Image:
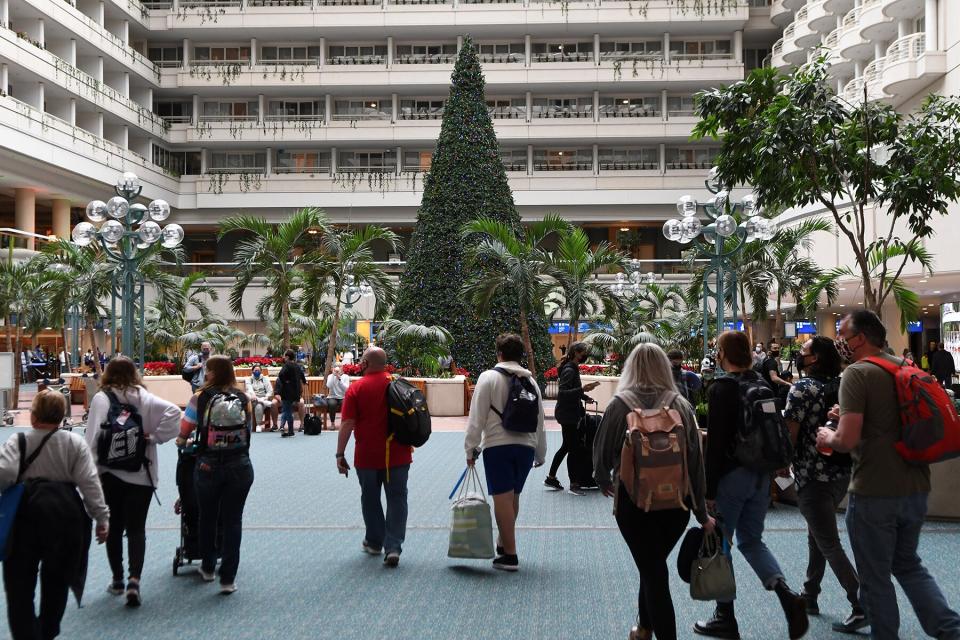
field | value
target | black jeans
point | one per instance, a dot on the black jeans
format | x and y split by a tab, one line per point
333	405
222	487
128	504
24	561
569	432
818	503
651	536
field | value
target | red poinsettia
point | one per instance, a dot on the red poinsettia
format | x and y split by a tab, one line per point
157	368
551	374
260	360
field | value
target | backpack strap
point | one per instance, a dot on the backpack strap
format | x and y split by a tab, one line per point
22	444
506	373
885	364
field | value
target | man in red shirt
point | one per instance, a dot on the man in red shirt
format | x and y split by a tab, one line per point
380	466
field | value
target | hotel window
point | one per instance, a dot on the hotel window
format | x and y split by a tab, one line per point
237	162
229	110
176	162
691	157
680	106
563	159
700	49
645	49
173	111
562	51
369	161
295	110
579	107
514	159
753	58
629	107
372	109
645	159
302	161
165	56
357	54
417	160
507	108
422	109
221	54
506	52
293	54
425	53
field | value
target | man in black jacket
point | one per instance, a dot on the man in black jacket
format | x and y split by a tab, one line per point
291	381
942	366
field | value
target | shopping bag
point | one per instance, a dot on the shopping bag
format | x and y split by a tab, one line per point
471	525
711	575
9	503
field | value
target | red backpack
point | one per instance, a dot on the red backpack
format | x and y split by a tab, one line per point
930	430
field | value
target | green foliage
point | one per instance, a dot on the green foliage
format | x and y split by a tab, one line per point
417	348
466	182
798	144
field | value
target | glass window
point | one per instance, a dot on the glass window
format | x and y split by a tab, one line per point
563	159
627	159
691	157
680	105
514	159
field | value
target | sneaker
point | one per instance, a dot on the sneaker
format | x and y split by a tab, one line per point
368	548
116	588
392	559
854	622
287	434
552	483
226	588
813	607
500	551
133	594
507	562
576	490
207	576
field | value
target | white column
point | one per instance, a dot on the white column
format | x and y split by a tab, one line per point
101	14
125	137
148	94
176	5
903	28
195	113
72	52
663	157
527	49
663	105
333	161
389	51
841	83
186	53
930	24
125	85
125	32
596	106
596	49
61	218
98	70
529	100
879	49
204	160
254	54
4	78
666	47
857	69
399	152
327	109
5	12
323	51
269	157
41	96
738	46
529	159
459	40
72	112
261	108
394	107
25	212
596	160
98	126
41	35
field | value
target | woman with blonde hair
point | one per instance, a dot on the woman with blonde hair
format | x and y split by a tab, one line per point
128	491
647	383
223	418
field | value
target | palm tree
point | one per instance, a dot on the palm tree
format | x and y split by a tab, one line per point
418	347
659	304
580	292
276	253
344	266
505	260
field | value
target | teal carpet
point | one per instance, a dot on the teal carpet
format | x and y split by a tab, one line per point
302	574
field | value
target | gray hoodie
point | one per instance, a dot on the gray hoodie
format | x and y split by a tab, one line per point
484	427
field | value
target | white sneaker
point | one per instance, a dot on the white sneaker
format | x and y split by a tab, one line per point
226	588
208	577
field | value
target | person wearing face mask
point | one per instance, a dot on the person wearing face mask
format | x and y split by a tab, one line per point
197	365
740	495
688	383
771	372
888	496
759	355
821	479
571	394
260	392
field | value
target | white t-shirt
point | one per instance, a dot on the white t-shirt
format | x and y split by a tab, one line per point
347	357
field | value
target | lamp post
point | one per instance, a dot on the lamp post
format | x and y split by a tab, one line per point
125	231
730	225
632	282
352	294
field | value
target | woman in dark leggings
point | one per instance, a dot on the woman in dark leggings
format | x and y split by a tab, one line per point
647	383
571	395
128	493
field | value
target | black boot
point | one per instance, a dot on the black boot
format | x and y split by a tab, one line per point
794	608
723	624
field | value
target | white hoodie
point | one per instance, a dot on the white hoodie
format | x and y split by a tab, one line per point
484	427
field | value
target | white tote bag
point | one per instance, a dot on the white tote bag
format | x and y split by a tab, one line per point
471	526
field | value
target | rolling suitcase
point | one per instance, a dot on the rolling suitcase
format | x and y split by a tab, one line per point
580	457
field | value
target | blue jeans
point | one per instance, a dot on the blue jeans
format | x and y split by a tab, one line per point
742	500
884	534
286	415
222	487
384	532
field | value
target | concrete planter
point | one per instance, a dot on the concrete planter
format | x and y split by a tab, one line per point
604	393
171	388
444	395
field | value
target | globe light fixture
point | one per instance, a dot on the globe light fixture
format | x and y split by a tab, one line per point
749	204
149	232
691	227
97	211
726	225
673	230
158	210
84	233
687	206
111	231
117	207
172	236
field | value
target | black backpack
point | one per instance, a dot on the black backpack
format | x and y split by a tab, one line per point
763	440
408	419
521	413
121	443
312	425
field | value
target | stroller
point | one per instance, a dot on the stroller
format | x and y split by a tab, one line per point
189	509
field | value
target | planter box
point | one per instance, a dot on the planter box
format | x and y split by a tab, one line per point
171	388
444	395
604	393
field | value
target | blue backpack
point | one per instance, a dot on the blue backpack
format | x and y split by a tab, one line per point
522	411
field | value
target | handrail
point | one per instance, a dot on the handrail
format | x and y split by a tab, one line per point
852	19
830	42
873	71
777	48
908	47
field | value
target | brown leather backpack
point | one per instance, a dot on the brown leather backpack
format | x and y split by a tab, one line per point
653	461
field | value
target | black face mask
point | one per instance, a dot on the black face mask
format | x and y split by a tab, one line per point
799	361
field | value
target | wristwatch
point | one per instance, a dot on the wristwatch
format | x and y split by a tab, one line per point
340	455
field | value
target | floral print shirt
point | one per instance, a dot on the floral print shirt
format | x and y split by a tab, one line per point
807	406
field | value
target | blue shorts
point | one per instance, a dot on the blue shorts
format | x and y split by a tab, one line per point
507	467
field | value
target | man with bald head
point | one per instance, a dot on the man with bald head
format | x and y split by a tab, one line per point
382	465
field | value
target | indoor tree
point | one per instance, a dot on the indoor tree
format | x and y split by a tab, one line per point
501	259
466	182
799	145
417	348
277	254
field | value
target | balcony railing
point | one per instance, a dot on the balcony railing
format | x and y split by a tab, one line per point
567	166
348	3
629	166
225	118
233	170
515	166
789	32
689	165
432	113
625	111
278	3
416	168
630	56
369	59
491	1
907	48
502	57
367	169
373	115
168	64
583	111
852	19
211	4
507	113
700	56
830	42
158	4
425	58
177	119
288	170
777	49
417	2
575	56
872	73
299	62
283	117
853	91
681	113
219	63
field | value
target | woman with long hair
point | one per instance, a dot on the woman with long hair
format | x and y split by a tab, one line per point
569	410
647	383
223	418
128	493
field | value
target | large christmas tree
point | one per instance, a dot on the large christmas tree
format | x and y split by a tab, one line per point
466	181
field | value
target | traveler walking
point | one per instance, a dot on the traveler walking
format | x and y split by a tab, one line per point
196	365
569	410
51	531
822	479
888	496
687	382
128	481
739	494
771	372
506	422
223	418
648	383
290	384
942	366
383	465
260	392
337	385
927	357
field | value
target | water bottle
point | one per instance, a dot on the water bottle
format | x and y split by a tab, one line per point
827	451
